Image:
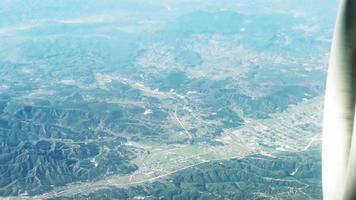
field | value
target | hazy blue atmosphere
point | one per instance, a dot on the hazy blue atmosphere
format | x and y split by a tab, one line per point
154	99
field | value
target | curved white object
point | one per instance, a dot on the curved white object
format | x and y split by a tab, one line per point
339	142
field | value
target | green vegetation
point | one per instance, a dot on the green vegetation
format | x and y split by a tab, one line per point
291	176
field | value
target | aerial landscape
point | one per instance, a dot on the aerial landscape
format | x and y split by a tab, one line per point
156	99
